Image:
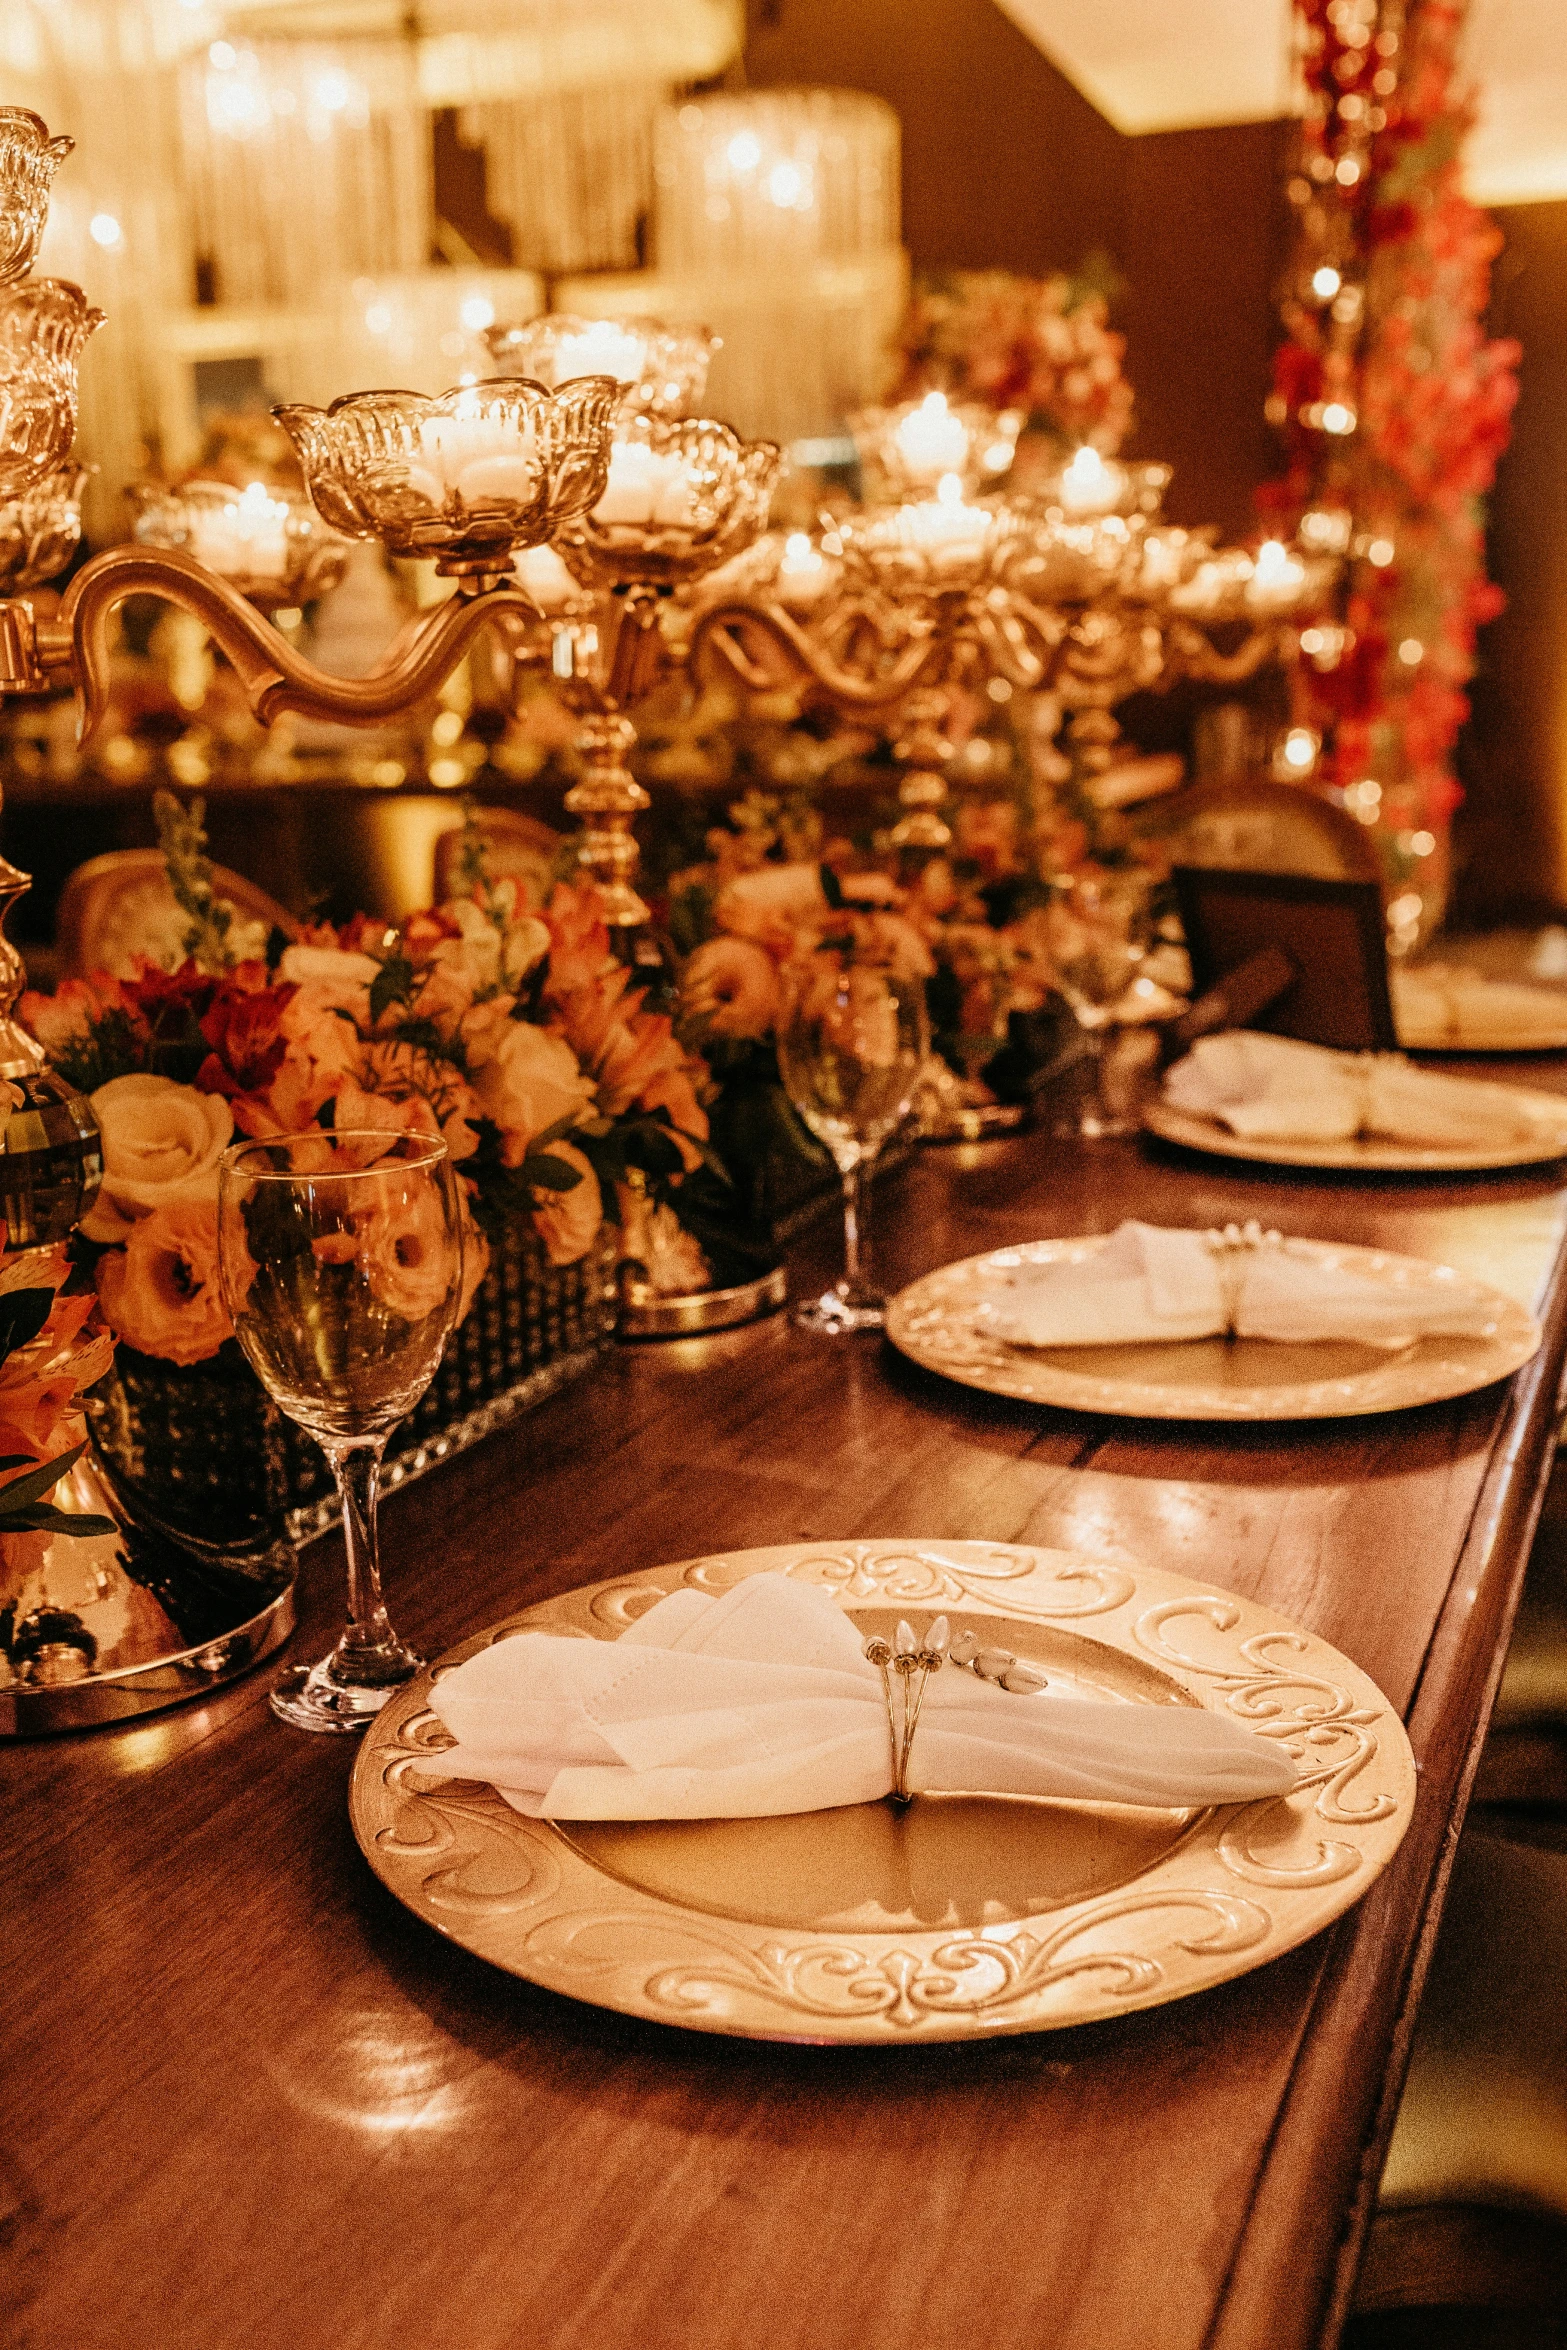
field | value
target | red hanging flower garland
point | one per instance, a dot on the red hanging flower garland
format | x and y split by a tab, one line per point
1395	407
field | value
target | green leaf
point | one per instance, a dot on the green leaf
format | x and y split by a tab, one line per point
541	1172
43	1518
392	984
23	1313
556	1133
832	888
44	1479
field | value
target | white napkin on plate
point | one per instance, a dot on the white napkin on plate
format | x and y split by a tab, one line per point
763	1702
1147	1284
1276	1089
1446	1002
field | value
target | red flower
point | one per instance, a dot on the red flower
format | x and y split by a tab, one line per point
247	1043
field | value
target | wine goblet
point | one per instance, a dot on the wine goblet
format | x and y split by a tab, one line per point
341	1261
1100	928
851	1045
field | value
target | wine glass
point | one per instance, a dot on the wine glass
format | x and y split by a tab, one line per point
1100	927
851	1044
341	1262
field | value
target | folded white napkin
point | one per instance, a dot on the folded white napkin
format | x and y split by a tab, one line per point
763	1702
1146	1284
1446	1002
1275	1089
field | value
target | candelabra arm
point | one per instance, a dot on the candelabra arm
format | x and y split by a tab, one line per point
1191	653
274	676
722	629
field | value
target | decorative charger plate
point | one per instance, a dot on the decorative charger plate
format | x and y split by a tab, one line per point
1415	1037
965	1916
1402	1158
940	1322
1439	1035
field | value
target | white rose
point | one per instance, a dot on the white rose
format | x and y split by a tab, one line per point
302	963
161	1147
342	978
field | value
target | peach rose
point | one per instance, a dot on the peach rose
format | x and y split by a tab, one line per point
568	1221
161	1293
409	1252
161	1147
731	986
526	1080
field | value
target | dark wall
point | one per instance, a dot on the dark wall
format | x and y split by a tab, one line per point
1005	165
1511	835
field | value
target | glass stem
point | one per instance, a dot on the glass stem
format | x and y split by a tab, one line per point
1096	1066
368	1633
856	1232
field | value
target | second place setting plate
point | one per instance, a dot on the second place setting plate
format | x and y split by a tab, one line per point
1375	1154
941	1322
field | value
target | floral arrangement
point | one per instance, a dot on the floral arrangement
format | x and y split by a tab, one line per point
511	1032
775	892
1395	408
1041	344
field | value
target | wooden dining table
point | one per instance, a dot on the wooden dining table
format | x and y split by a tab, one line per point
253	2101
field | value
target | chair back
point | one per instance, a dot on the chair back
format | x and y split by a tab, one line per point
120	906
1263	827
516	848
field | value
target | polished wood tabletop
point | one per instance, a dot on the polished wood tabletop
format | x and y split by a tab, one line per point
251	2101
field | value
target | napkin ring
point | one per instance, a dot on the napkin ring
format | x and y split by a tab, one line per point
1230	1250
913	1666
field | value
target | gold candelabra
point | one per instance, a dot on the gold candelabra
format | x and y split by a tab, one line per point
909	604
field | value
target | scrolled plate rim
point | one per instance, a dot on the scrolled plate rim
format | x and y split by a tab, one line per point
933	1322
1197	1133
1243	1885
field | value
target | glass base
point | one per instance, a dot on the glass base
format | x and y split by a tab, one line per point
831	1314
310	1697
1096	1125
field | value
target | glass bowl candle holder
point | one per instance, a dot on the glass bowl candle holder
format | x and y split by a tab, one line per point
44	326
466	477
29	159
661	370
1089	485
269	543
907	449
40	529
680	498
929	544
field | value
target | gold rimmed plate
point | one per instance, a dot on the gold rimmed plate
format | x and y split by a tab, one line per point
966	1916
945	1322
1375	1154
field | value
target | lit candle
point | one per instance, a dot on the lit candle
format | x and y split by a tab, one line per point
541	571
245	540
1276	579
480	458
601	349
932	440
802	571
1088	485
942	527
645	487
